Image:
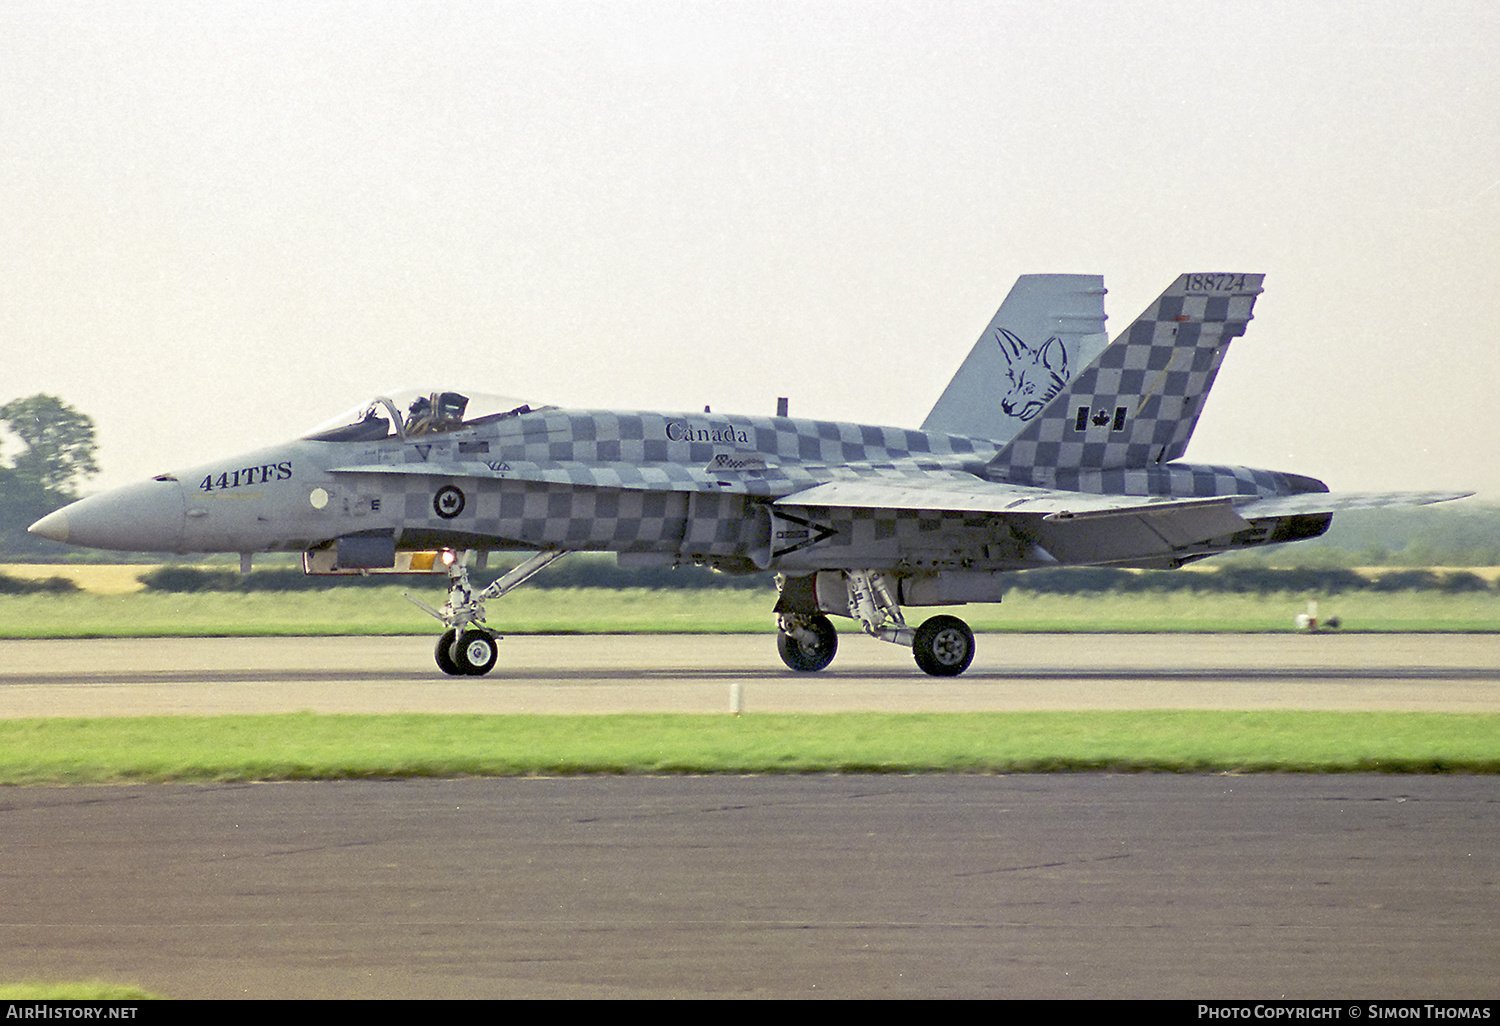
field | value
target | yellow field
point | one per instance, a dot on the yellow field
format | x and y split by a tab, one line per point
101	579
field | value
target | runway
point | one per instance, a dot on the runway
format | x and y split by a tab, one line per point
689	673
1055	886
1036	886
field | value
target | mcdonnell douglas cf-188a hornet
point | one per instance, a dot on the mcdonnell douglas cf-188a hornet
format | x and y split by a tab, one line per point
1049	447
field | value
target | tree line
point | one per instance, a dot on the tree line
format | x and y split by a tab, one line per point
58	452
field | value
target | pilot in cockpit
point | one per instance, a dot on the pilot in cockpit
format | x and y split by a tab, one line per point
442	411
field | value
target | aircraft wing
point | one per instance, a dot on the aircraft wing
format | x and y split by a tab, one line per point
966	493
1338	502
1072	527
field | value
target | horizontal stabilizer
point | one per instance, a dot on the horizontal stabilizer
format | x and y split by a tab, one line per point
1338	502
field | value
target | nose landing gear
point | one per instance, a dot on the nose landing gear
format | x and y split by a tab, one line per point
468	648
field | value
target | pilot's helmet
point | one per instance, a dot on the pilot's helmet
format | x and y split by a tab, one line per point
451	405
421	407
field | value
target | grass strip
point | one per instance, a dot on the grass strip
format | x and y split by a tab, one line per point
83	990
307	746
383	611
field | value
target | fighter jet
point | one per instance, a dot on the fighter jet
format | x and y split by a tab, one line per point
1050	447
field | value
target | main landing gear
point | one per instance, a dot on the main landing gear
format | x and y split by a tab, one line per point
943	645
468	648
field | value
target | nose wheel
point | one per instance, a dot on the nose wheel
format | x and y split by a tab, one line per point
471	653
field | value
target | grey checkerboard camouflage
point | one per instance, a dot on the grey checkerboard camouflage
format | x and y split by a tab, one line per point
1136	406
1048	448
582	478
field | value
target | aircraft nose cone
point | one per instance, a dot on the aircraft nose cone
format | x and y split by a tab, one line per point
53	526
144	517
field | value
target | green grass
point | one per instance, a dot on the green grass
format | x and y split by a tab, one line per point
305	746
74	991
559	611
366	611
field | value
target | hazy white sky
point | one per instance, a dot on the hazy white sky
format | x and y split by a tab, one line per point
222	222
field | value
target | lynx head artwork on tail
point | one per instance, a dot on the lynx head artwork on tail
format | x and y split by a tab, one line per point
1049	327
1035	375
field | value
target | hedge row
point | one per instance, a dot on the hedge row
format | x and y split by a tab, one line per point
29	586
587	573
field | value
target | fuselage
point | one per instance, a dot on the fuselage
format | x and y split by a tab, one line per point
683	487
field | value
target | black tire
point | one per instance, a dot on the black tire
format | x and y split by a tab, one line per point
944	646
809	658
476	653
444	654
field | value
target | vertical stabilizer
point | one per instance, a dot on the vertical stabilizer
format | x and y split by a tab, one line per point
1049	328
1138	403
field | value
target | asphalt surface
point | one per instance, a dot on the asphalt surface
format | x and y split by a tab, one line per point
1048	886
1059	886
626	673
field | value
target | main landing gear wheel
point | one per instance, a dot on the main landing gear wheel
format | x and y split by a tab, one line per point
809	655
944	646
471	655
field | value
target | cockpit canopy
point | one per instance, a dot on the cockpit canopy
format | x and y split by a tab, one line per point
411	412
